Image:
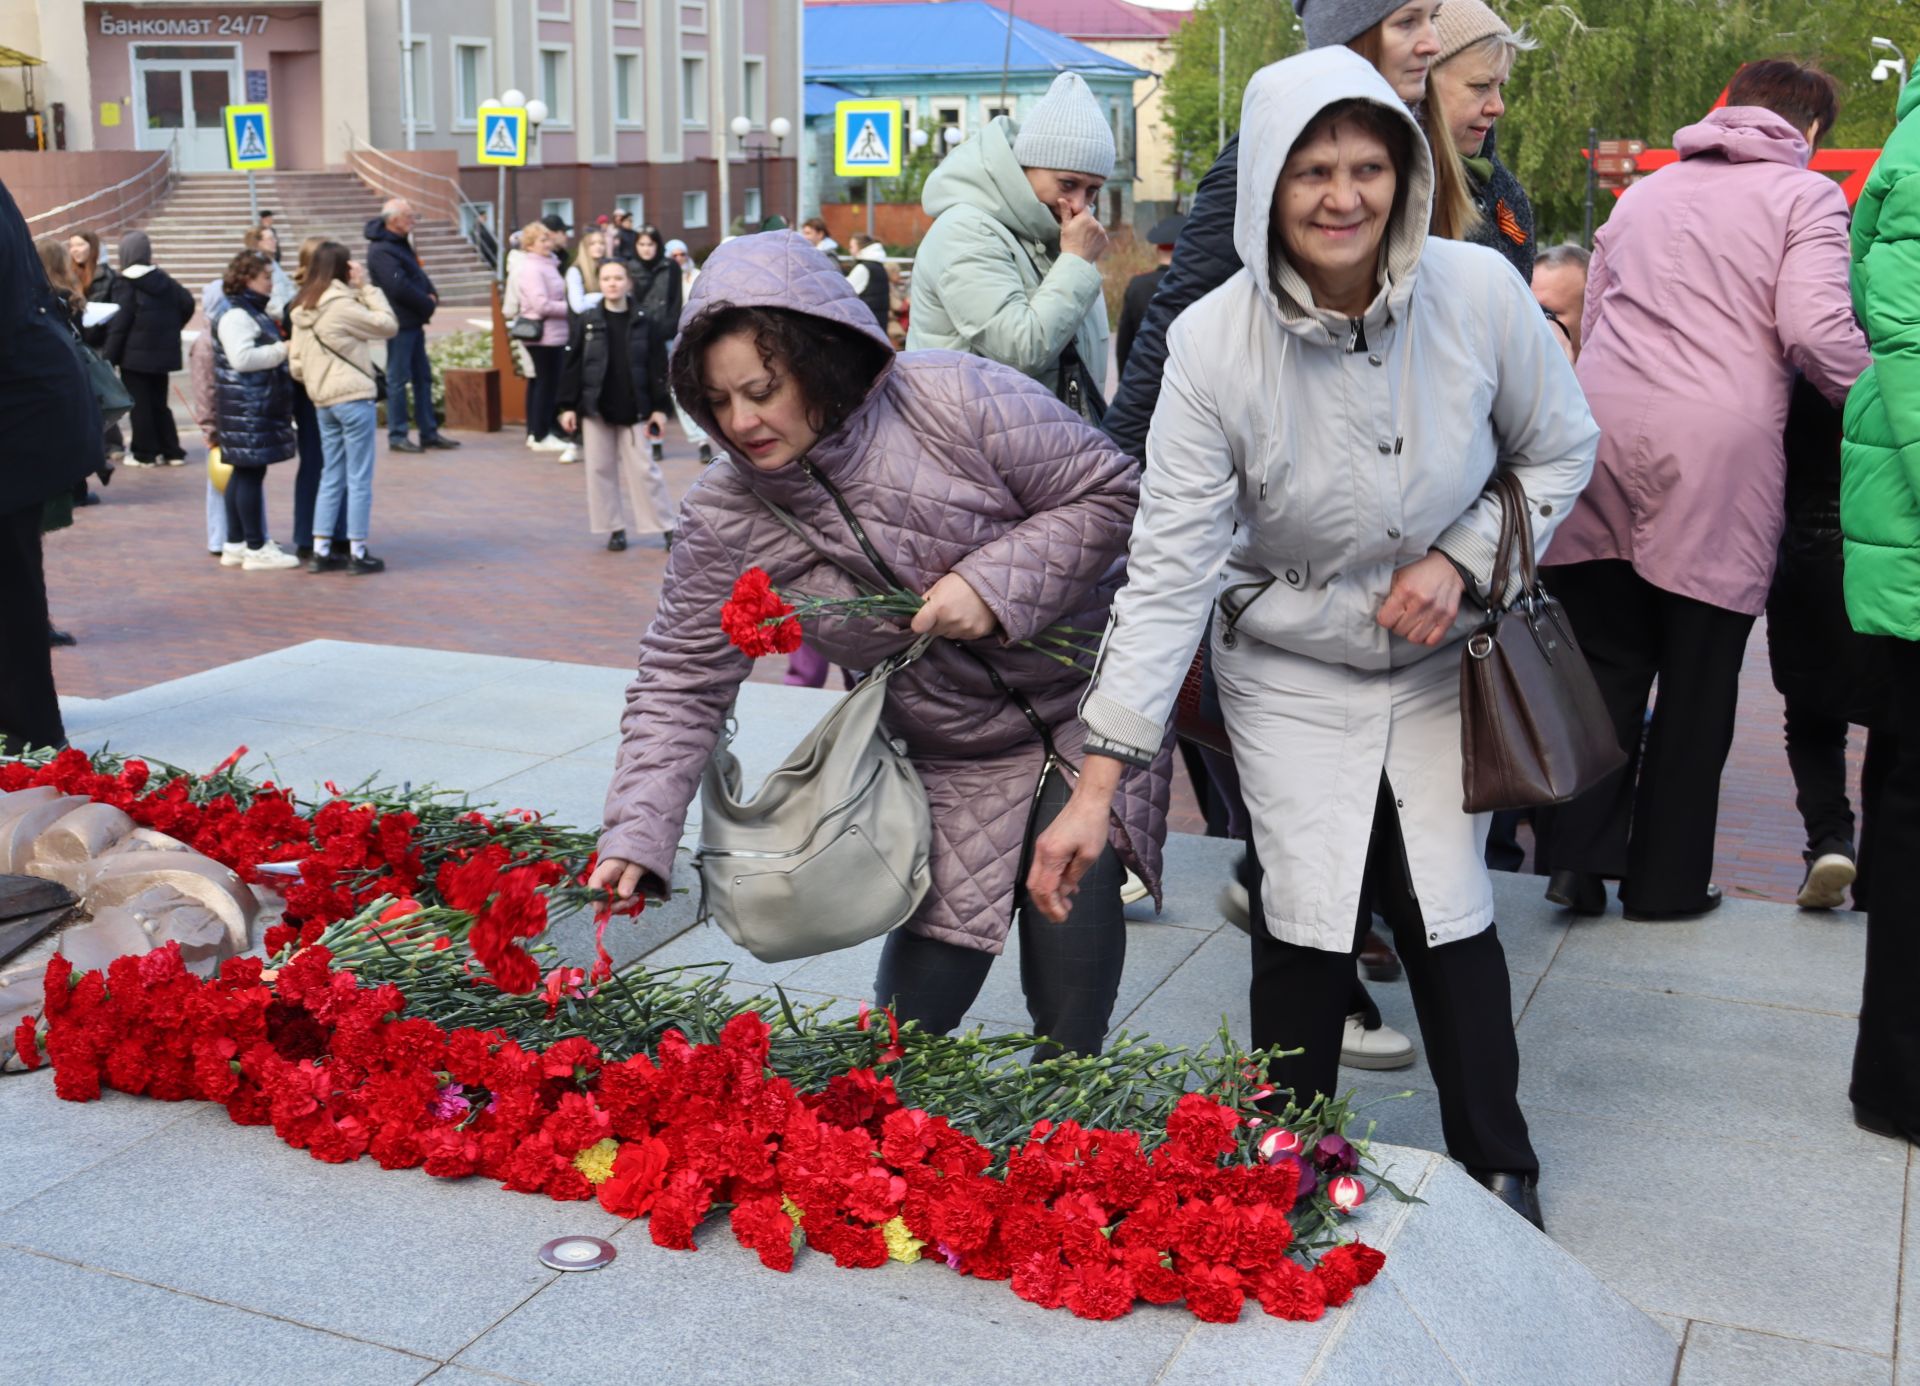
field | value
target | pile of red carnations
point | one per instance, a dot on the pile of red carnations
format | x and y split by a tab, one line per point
1199	1204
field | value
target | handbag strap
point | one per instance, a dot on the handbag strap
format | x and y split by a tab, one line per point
880	566
1513	552
327	347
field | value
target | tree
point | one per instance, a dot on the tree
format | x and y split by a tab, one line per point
1196	102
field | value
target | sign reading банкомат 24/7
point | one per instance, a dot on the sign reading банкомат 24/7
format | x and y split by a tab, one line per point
204	26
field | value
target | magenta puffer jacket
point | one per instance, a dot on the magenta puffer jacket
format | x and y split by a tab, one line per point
954	464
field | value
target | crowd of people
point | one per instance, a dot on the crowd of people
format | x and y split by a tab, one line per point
1708	416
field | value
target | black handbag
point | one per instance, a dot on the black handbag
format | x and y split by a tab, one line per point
1077	388
525	329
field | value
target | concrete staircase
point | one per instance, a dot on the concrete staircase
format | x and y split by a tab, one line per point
201	225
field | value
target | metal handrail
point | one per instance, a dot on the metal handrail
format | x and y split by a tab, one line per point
392	184
164	160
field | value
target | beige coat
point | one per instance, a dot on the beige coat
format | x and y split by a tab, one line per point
332	350
1289	475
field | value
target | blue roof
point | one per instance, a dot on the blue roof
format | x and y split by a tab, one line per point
823	96
969	36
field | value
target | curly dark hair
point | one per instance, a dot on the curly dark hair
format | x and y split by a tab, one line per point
242	268
834	366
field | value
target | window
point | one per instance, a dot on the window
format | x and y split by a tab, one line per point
636	203
693	211
995	112
753	90
949	117
754	213
420	65
693	94
628	99
472	76
556	84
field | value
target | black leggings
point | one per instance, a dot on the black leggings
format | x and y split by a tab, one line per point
1070	971
543	391
247	506
1300	998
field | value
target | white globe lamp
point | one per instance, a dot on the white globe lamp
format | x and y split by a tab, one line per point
513	96
537	112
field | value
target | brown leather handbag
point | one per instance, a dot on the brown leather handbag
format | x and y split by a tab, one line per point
1533	727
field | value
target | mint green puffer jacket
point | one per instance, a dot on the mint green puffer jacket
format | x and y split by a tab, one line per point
1880	461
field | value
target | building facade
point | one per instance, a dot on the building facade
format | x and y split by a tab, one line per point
953	66
640	93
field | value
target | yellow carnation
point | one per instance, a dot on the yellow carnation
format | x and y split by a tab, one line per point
596	1161
902	1245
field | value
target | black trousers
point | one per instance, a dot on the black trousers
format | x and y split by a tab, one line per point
1886	1059
247	505
543	391
1070	971
29	708
1817	756
1300	997
154	435
1651	824
306	481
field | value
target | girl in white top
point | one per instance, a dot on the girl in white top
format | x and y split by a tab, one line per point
584	272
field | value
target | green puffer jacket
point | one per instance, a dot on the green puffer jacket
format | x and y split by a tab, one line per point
1880	461
989	278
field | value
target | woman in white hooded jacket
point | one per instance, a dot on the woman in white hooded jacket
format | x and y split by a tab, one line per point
1329	421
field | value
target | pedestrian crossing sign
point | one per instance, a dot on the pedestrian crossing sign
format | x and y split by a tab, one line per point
503	135
868	137
249	137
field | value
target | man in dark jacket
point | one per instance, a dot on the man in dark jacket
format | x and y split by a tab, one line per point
52	439
397	270
1141	288
143	340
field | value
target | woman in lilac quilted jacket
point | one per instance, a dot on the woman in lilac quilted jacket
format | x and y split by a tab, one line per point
977	488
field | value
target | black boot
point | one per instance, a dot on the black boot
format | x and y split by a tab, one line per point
617	541
1579	891
1519	1192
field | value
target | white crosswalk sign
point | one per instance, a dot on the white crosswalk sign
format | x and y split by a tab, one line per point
867	139
503	135
249	137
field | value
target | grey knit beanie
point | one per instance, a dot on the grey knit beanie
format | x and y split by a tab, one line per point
1329	22
135	249
1067	130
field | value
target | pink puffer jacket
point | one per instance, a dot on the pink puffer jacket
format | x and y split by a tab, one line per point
953	464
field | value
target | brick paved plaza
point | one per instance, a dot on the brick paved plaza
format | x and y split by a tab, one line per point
489	553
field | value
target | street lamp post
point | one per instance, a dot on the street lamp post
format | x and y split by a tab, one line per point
779	127
1887	67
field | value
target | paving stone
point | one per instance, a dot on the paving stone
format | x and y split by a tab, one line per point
197	736
705	943
351	757
1721	1356
67	1324
1385	1341
527	712
48	1140
1722	1069
1531	929
1743	951
569	792
467	1376
394	1257
1676	1327
1766	1236
1908	1367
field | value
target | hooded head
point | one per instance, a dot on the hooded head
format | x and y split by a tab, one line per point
1282	101
834	350
1330	22
135	249
1066	129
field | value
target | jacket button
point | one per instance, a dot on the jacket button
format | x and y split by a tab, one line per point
1386	448
1546	509
1433	938
1293	576
1393	534
1374	359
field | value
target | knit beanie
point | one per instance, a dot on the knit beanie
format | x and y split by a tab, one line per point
1330	22
1463	23
1066	130
135	249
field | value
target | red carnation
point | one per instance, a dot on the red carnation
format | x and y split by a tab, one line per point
638	1171
1100	1292
756	620
1214	1293
26	1042
765	1228
1344	1268
1290	1292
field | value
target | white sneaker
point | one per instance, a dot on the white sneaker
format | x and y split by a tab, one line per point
232	555
1827	880
267	557
570	453
1132	888
550	443
1235	907
1382	1048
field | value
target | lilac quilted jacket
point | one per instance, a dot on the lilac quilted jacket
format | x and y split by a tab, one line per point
953	464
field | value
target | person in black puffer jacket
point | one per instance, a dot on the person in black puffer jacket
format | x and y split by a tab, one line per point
253	409
1464	100
1828	675
143	340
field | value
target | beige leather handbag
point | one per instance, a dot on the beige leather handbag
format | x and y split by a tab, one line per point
834	848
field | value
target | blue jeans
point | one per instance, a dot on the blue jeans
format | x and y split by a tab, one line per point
346	438
407	365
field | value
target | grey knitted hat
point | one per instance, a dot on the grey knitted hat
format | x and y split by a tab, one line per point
1328	22
135	249
1066	129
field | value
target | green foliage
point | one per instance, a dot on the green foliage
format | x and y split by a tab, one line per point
463	350
1632	69
915	168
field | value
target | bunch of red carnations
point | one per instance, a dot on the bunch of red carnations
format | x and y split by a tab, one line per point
1089	1220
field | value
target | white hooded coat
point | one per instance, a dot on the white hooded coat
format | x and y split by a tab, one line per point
1290	475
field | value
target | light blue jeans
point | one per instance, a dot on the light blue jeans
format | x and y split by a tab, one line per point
346	441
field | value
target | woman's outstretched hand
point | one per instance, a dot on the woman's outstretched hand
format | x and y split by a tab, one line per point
620	878
1424	600
953	609
1073	842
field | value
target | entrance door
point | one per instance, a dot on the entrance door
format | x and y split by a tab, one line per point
179	90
